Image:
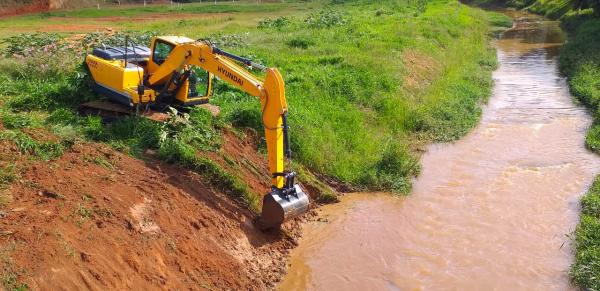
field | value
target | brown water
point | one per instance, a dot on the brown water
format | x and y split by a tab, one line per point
489	212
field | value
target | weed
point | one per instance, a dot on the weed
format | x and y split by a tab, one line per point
86	197
103	162
9	273
228	40
11	282
103	212
69	250
393	170
22	44
12	121
278	23
5	198
171	245
421	6
300	43
383	11
7	175
53	195
116	38
83	212
326	18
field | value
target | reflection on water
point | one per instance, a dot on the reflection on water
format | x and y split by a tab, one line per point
489	212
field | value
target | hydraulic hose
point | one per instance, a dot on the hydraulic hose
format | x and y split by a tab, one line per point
245	61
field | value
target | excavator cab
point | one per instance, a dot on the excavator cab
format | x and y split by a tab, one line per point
191	87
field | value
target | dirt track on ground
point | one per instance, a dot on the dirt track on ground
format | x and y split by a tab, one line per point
99	219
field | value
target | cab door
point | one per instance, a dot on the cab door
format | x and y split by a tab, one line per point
161	49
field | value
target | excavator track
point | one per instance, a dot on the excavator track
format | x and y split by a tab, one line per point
111	111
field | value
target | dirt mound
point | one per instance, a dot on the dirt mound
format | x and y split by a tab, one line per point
98	219
23	8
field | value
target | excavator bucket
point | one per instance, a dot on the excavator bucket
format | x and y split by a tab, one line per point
278	207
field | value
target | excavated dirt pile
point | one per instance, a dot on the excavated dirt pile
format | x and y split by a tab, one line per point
99	219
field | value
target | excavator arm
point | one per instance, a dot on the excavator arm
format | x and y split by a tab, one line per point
286	199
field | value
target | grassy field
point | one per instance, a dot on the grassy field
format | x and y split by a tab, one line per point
367	82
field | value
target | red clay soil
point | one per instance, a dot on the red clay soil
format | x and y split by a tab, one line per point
98	219
35	6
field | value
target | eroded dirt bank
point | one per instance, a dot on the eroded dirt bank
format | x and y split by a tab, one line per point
490	212
98	219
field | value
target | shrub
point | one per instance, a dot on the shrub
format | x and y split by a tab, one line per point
115	38
43	150
228	40
12	121
278	23
7	175
326	18
22	44
300	43
592	138
394	169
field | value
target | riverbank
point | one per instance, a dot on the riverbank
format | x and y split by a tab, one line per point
580	62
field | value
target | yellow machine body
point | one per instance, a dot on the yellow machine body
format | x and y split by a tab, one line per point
118	80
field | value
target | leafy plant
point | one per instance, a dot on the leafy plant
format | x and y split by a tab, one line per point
300	43
278	23
23	44
326	18
228	40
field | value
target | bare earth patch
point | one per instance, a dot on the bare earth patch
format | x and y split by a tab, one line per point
98	219
421	70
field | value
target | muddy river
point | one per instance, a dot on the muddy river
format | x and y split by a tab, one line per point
492	211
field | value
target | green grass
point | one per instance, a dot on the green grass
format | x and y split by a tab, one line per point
128	11
585	272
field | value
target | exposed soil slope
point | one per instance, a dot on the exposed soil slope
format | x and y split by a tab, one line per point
16	9
98	219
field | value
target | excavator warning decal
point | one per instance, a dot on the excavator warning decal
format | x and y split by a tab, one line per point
231	76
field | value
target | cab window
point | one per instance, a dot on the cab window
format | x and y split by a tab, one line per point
202	81
161	52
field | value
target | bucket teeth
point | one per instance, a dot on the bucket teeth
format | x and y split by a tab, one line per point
278	207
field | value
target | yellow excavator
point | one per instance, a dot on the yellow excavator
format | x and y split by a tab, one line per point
178	71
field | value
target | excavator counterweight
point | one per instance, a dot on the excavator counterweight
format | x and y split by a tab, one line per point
178	71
